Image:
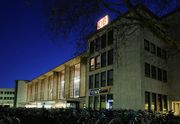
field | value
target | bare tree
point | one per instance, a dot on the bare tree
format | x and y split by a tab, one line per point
79	16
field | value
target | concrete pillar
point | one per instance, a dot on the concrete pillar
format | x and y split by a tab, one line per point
33	91
46	89
38	90
55	81
66	78
82	79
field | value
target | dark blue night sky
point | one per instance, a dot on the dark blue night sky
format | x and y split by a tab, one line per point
26	48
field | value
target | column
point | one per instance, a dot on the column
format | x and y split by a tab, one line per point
55	81
66	79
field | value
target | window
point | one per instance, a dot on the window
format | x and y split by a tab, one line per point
164	76
91	46
91	102
146	44
153	103
62	85
97	44
92	64
0	97
147	69
103	41
147	100
74	81
103	59
110	37
153	71
110	78
97	62
110	57
77	80
159	102
158	52
1	92
103	102
153	48
4	97
103	79
109	101
97	80
165	107
163	54
91	82
159	74
96	102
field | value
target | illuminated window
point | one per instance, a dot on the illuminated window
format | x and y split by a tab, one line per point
91	81
146	44
159	102
110	37
97	62
109	104
110	57
92	64
61	85
147	69
165	103
153	102
103	79
110	78
74	81
147	101
103	59
96	102
91	102
103	102
103	41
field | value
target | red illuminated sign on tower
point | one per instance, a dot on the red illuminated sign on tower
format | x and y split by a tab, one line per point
102	22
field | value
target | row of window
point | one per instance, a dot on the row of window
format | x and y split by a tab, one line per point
155	72
6	92
102	60
101	42
7	98
156	102
100	80
152	48
100	102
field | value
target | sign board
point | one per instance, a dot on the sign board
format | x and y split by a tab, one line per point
96	91
102	22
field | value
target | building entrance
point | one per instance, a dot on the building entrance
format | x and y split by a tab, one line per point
176	107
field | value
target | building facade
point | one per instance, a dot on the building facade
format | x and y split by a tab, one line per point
61	87
132	69
127	67
6	97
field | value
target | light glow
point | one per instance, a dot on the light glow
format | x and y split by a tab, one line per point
102	22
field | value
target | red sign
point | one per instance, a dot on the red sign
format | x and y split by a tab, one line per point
103	22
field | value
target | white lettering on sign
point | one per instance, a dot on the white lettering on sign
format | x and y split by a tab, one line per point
102	22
